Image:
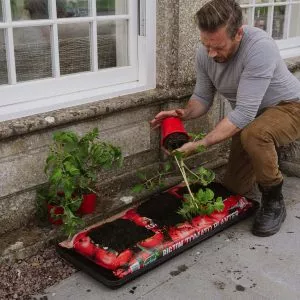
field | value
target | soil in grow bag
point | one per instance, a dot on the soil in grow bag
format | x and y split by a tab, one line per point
175	141
119	235
162	209
218	189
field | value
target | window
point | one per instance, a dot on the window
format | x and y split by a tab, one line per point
280	18
60	53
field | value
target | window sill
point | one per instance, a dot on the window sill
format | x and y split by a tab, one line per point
94	109
293	63
290	53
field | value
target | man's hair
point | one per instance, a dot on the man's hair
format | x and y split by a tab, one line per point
215	14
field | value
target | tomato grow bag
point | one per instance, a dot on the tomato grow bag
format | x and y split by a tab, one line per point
149	234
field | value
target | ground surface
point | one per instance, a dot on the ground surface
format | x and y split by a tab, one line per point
231	265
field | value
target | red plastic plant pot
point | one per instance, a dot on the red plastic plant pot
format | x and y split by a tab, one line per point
173	133
56	210
88	204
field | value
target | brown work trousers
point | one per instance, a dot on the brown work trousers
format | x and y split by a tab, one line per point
253	156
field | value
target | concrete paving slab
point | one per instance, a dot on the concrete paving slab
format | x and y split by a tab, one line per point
234	264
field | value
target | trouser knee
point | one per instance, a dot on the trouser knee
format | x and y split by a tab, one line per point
253	139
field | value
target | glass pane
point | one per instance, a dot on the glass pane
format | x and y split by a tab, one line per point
32	52
3	64
112	42
1	14
241	2
279	22
29	9
261	17
74	48
72	9
111	7
262	1
294	22
247	15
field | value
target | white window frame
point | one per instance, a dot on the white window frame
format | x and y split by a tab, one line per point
289	47
38	96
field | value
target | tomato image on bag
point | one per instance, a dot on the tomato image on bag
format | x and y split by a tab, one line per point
181	231
85	246
153	241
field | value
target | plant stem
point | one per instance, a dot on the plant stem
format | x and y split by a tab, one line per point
159	175
184	165
181	168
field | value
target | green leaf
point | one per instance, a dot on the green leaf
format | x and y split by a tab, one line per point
50	158
219	205
200	194
206	176
197	137
71	169
65	137
209	195
138	188
167	166
210	209
179	155
56	176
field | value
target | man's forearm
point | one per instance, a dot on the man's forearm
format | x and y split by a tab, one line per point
223	131
194	109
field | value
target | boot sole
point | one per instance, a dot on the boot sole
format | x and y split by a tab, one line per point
269	232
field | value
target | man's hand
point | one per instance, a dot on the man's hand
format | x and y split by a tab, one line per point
188	148
194	109
179	113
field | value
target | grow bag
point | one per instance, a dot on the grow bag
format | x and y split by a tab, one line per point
149	234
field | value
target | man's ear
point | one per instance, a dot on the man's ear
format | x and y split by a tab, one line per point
239	34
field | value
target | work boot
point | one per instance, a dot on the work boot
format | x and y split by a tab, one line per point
272	212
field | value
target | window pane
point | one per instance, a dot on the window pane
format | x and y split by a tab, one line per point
247	16
279	22
112	44
111	7
262	1
3	65
32	52
241	2
295	21
261	17
29	9
74	48
1	14
72	9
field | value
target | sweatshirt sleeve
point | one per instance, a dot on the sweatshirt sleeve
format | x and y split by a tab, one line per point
204	89
260	64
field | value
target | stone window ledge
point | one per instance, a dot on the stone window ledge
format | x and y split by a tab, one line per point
80	113
92	110
293	64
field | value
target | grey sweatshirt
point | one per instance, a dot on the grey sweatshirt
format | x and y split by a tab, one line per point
254	78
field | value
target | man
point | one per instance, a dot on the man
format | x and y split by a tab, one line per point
244	65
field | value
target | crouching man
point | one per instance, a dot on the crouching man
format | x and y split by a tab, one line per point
244	65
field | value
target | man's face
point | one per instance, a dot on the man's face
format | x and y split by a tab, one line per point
220	46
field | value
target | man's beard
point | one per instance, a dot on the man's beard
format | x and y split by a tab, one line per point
223	59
